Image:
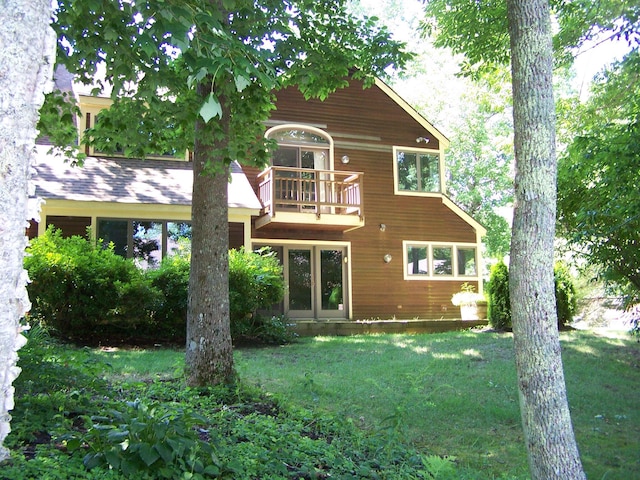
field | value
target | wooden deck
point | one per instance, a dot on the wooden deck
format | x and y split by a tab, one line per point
312	328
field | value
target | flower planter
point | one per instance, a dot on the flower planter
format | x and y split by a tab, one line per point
477	311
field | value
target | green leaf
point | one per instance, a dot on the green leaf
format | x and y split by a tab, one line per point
92	460
165	452
241	82
211	471
113	458
194	79
73	444
148	454
117	436
211	108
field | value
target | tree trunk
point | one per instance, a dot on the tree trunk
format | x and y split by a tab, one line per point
551	445
26	66
209	356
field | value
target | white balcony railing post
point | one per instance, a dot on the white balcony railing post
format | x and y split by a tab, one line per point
287	189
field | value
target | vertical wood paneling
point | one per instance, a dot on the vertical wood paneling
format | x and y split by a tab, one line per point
371	118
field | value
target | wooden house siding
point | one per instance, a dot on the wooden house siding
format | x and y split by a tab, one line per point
69	225
365	125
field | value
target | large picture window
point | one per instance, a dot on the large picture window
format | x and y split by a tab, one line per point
146	241
417	170
427	260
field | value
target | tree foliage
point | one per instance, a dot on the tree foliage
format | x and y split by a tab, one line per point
151	55
201	74
479	29
480	159
598	178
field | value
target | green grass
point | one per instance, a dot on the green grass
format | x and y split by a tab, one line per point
141	365
455	394
450	395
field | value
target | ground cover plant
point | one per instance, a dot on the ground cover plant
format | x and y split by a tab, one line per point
452	397
112	414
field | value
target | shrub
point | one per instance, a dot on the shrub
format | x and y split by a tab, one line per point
255	282
79	288
566	302
499	308
172	279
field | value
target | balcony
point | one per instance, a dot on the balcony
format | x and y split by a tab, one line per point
310	199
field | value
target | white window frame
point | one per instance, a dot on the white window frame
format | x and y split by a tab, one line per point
430	275
397	191
308	128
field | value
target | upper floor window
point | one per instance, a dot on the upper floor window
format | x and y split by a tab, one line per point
95	109
301	147
417	170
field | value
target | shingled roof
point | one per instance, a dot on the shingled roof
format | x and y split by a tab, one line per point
120	180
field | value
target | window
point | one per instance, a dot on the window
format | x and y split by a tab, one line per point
146	241
417	170
301	147
427	260
164	140
301	162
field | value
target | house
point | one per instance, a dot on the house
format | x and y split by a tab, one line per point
353	203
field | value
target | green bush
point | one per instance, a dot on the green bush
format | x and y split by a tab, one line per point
499	306
566	302
499	311
255	282
172	279
79	288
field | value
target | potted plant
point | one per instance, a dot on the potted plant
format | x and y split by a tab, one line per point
473	305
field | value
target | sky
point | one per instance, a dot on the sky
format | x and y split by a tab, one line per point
589	61
592	58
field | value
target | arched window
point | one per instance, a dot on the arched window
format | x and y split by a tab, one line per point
302	165
301	147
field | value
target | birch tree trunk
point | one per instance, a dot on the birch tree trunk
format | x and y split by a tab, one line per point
550	441
27	56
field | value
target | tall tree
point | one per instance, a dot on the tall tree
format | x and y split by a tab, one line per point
549	437
475	114
598	177
208	69
489	35
26	63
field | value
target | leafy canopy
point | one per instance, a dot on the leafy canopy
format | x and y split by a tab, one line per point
598	177
480	30
151	56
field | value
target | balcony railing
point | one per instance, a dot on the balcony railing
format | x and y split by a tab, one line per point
304	190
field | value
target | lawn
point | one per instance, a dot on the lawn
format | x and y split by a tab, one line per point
455	394
451	395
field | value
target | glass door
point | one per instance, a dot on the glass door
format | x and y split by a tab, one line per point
331	282
299	270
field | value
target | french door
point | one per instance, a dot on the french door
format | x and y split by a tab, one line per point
300	185
316	278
